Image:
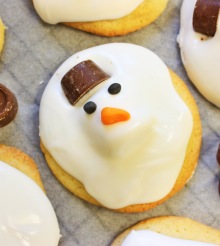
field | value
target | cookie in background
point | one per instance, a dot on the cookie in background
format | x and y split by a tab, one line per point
2	34
105	18
199	38
26	214
169	230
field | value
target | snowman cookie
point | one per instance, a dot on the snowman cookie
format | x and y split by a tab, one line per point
22	190
105	18
169	230
199	39
119	129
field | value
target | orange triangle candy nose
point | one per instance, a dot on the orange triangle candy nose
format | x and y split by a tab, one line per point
114	115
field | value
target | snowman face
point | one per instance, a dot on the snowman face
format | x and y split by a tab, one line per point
115	123
109	115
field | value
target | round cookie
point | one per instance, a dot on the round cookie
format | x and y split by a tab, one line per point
2	34
21	161
176	227
199	46
22	190
100	19
187	170
143	15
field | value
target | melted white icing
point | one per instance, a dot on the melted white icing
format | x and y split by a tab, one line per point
131	162
26	215
55	11
201	58
151	238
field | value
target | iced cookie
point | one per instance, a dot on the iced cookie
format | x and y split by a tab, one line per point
2	34
118	128
26	215
199	39
169	230
106	18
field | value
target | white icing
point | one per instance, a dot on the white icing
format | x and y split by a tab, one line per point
201	58
131	162
27	217
151	238
55	11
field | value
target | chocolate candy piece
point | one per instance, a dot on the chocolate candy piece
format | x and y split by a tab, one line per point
219	187
81	79
218	155
8	106
218	160
205	16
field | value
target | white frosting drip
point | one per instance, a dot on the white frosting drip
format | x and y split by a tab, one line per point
201	58
55	11
151	238
26	215
137	161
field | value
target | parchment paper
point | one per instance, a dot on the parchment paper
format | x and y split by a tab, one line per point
33	51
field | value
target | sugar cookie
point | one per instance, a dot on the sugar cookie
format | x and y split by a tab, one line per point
22	190
2	34
199	38
111	141
169	230
108	18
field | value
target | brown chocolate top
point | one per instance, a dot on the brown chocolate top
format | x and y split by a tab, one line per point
218	160
8	106
218	155
81	79
219	188
205	16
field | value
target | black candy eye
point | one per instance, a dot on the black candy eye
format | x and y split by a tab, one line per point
90	107
114	88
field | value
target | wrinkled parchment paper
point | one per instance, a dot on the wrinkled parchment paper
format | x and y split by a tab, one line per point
33	51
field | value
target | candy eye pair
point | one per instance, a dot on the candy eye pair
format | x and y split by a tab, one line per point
90	107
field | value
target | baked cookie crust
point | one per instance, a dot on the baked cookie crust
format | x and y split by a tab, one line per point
177	227
21	161
2	34
147	12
